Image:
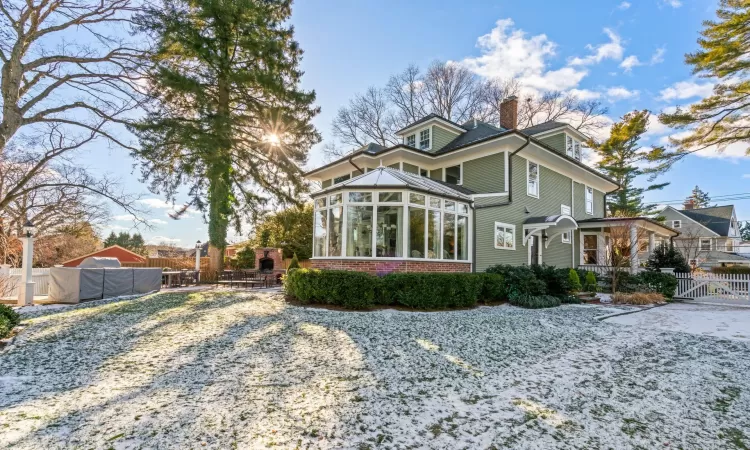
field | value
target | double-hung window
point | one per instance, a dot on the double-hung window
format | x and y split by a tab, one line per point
424	139
676	224
532	179
572	147
589	200
590	249
411	140
705	245
505	236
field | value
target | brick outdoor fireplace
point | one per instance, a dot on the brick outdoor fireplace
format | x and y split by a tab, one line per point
269	260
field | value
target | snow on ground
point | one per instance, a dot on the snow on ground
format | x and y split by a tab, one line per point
245	370
708	320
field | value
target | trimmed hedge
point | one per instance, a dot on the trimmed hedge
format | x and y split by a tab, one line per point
351	290
432	290
8	319
733	270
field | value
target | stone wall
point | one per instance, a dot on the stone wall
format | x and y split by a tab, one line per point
384	267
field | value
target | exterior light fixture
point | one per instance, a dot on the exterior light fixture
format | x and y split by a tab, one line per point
28	229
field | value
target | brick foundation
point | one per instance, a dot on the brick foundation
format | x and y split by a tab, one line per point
384	267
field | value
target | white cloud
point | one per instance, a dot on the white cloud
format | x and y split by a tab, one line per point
672	3
507	52
747	175
658	56
158	221
733	152
610	50
686	89
623	6
585	94
156	203
123	217
656	128
156	240
630	62
621	93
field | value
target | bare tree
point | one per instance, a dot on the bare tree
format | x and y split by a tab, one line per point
618	254
406	91
495	91
583	115
68	81
367	118
452	91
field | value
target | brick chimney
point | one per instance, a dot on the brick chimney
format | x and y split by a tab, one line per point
509	113
689	204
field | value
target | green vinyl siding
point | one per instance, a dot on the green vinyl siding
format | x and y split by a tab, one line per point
411	168
556	141
436	174
485	175
579	210
554	190
441	137
326	183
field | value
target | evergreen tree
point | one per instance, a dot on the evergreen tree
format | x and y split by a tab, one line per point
111	240
231	122
745	231
720	119
290	229
700	199
623	159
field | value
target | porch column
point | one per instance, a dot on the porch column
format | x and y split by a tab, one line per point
651	242
634	263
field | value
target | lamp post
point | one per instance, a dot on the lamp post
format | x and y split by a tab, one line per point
26	290
198	247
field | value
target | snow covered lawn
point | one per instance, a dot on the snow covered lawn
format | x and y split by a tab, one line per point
246	370
708	320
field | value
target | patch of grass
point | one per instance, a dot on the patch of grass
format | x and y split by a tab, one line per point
734	437
632	426
722	404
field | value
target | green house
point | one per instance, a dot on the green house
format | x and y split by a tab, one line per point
462	197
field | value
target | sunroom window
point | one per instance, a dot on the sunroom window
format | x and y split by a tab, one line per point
358	231
388	231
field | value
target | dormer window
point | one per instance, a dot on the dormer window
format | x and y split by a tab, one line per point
572	147
411	140
424	139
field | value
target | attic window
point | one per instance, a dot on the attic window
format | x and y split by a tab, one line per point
424	139
572	147
411	140
676	224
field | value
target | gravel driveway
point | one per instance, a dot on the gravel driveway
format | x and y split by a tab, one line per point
241	370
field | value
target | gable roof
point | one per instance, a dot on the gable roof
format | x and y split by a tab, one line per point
429	117
105	250
717	218
542	127
386	177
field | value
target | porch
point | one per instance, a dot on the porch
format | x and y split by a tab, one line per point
622	242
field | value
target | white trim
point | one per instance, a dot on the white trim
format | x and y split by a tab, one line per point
443	123
586	201
429	138
710	244
505	226
694	221
491	194
539	246
598	247
538	178
572	235
564	128
677	224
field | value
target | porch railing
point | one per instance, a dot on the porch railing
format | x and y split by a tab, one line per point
600	269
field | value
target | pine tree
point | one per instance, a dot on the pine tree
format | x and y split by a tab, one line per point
745	231
111	240
700	199
231	122
720	119
623	159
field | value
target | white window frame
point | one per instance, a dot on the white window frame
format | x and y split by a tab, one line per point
583	248
506	227
429	139
588	201
700	244
565	237
412	136
569	145
538	178
677	224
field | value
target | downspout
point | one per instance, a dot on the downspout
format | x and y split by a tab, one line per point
474	237
355	166
605	199
510	168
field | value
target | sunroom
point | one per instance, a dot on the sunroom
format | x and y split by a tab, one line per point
387	220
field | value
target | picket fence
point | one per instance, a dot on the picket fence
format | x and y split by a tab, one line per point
38	276
734	288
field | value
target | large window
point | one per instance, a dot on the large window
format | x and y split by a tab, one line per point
390	224
505	236
589	200
532	179
424	139
590	249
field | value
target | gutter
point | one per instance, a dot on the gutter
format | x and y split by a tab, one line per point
355	166
474	238
510	168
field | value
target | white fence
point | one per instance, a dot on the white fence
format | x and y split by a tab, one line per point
604	270
726	288
38	276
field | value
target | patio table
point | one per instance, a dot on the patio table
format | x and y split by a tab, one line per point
169	274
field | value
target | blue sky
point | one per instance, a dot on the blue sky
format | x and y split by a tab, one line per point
628	54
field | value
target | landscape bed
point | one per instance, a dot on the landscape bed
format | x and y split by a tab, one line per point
248	370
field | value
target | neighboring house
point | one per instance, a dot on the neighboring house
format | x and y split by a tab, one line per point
115	251
709	237
167	251
463	197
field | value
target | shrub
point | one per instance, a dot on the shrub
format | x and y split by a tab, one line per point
733	270
638	298
534	301
574	280
667	256
493	287
432	290
352	290
571	300
663	283
294	263
556	281
520	280
9	318
590	284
